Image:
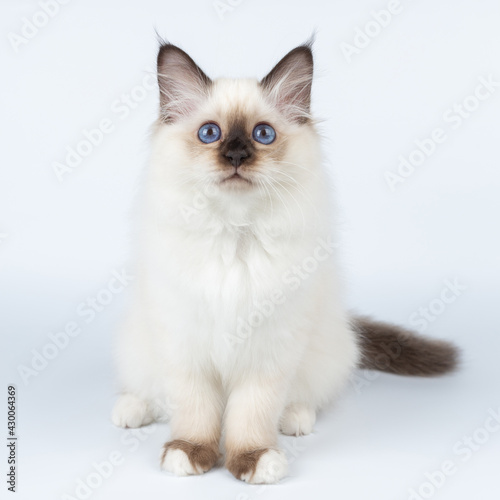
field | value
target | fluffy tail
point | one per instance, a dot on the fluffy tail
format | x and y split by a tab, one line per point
393	349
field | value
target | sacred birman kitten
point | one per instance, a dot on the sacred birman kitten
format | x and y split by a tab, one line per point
238	328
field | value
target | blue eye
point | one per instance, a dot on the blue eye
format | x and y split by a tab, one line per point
265	134
210	132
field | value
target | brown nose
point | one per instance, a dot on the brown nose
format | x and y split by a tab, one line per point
236	156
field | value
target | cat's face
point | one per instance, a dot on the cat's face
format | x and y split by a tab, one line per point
242	135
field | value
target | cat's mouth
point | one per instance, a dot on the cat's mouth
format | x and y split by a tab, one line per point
236	179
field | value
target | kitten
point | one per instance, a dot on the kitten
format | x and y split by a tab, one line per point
238	325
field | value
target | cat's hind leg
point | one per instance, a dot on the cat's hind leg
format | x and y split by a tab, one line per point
330	358
297	419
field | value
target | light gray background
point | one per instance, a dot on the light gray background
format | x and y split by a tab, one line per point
60	241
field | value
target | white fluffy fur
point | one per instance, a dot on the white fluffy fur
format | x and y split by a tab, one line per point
177	462
199	276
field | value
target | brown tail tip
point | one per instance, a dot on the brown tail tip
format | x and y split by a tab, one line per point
394	349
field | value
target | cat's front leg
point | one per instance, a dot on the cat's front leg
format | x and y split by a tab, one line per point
195	426
251	424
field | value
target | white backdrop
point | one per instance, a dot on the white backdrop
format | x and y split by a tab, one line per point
426	71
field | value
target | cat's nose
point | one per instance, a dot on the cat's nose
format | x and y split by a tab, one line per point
236	156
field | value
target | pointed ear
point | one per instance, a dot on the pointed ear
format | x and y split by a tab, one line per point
288	85
183	85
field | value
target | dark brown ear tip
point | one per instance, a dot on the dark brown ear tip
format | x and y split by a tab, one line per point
163	43
166	47
299	56
305	50
169	48
308	45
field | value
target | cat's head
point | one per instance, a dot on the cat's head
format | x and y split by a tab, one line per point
236	135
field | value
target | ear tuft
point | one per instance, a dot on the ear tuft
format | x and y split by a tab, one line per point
183	85
289	83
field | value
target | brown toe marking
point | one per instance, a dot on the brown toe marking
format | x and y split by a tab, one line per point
202	456
243	463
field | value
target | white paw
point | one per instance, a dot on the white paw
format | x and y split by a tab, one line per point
131	411
177	462
297	420
271	467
